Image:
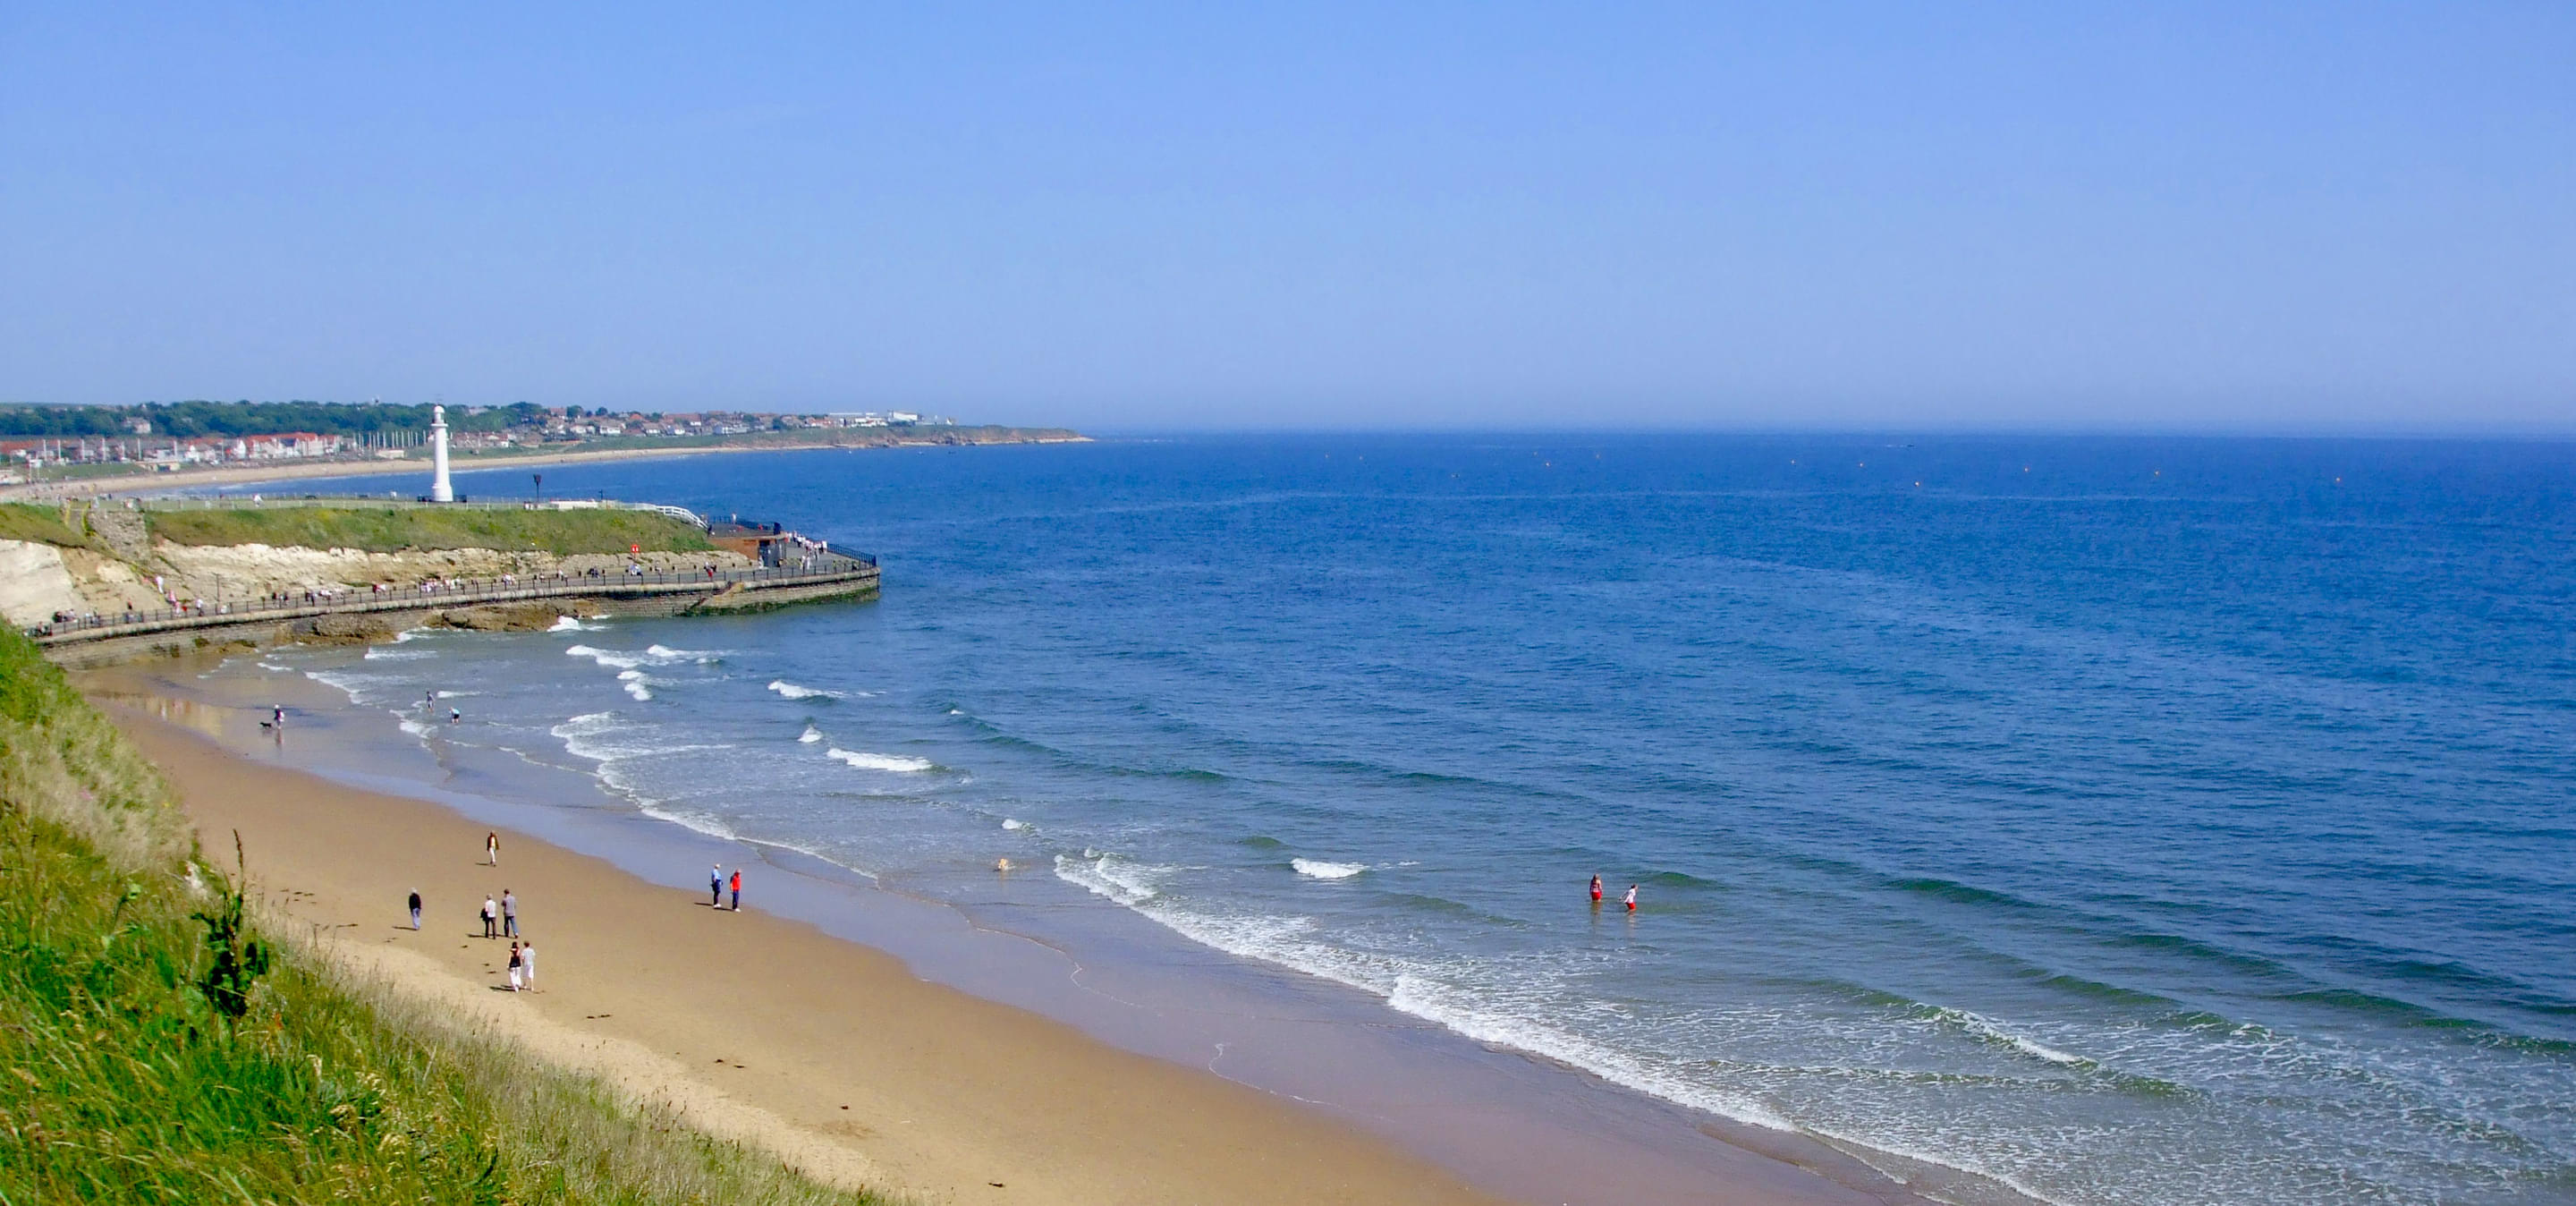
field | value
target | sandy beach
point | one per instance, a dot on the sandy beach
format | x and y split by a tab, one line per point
832	1053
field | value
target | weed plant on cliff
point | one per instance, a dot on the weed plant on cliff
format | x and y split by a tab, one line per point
138	1065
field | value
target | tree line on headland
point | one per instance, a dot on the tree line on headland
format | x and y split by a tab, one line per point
196	419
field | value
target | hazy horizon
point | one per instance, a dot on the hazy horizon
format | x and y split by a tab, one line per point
2275	219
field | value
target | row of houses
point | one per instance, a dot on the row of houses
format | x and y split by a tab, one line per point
575	425
171	452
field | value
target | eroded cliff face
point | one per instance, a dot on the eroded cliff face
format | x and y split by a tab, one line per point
34	582
37	580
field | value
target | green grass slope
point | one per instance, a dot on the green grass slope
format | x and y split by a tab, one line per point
44	525
393	529
131	1072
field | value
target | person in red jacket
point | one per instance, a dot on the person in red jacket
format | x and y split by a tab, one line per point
737	889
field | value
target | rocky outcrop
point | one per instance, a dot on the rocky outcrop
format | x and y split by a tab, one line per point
508	617
360	629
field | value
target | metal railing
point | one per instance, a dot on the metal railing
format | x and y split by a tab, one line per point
822	568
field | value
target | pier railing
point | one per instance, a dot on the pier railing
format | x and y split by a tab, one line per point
819	569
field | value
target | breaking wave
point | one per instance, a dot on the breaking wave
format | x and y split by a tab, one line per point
881	762
1320	869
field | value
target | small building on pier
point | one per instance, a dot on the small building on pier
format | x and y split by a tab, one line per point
766	543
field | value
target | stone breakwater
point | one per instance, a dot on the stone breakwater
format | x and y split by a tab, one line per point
38	580
481	604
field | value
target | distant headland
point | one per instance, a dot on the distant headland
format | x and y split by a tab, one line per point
53	451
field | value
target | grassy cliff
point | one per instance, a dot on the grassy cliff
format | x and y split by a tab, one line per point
153	1048
43	525
394	529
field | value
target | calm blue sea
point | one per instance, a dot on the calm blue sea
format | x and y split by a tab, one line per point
2128	820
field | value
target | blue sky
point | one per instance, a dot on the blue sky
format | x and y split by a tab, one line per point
2065	215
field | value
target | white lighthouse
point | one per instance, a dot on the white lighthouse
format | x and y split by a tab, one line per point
439	488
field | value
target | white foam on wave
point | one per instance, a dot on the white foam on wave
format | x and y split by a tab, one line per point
1407	986
605	657
666	654
653	655
386	653
1320	869
792	691
593	735
348	684
1987	1029
570	624
1013	824
880	762
809	736
273	666
1122	880
636	688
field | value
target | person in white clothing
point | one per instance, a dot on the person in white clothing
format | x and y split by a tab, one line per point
528	964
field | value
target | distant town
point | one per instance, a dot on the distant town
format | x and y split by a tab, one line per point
45	443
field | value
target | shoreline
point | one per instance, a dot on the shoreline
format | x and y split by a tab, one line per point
245	475
1418	1095
930	1090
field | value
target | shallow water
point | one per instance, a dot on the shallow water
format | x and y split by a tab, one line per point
2126	820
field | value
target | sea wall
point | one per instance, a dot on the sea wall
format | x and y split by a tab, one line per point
382	621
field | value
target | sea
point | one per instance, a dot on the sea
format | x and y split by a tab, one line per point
2116	820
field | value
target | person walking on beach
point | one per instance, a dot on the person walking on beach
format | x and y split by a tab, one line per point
737	889
528	963
491	915
1631	902
509	914
277	716
492	849
715	886
1596	889
415	908
515	966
